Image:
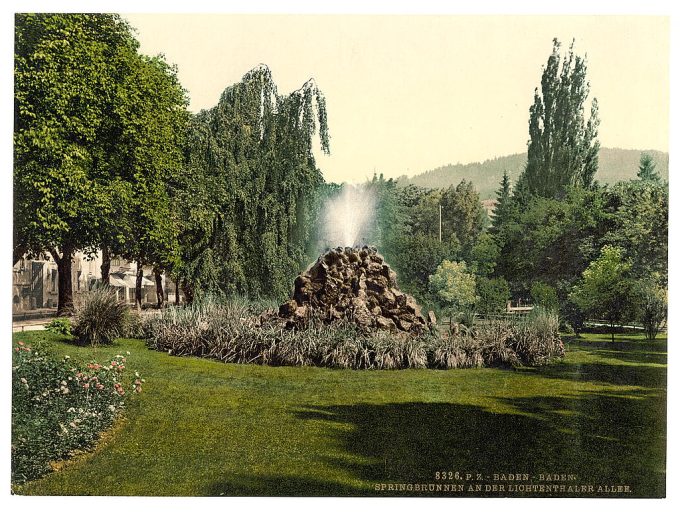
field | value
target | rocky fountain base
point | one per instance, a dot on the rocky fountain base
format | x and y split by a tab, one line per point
354	284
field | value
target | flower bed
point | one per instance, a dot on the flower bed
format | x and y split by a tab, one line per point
59	407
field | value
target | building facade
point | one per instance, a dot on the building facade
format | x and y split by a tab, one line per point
35	283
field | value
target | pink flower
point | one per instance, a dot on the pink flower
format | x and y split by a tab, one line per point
86	385
21	343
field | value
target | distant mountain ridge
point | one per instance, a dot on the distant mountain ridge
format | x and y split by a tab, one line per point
615	164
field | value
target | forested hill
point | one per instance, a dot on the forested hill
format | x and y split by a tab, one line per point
614	165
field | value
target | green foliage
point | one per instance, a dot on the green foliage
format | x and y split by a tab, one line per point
484	255
532	341
100	317
59	406
605	290
544	296
493	295
647	170
418	258
502	211
653	305
562	149
453	285
97	135
248	192
552	240
231	332
463	215
61	325
638	212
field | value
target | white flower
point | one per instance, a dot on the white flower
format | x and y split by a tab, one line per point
67	357
71	409
112	408
24	381
128	352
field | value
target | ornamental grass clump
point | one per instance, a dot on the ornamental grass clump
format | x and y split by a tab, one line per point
536	339
59	407
100	317
232	332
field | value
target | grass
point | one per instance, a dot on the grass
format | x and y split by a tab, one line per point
203	427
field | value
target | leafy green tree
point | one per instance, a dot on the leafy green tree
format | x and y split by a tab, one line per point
453	286
553	241
66	188
638	213
562	149
647	170
153	128
493	295
605	289
463	215
418	258
484	255
653	305
544	296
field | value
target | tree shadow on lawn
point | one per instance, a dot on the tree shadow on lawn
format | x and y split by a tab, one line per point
603	439
639	371
643	352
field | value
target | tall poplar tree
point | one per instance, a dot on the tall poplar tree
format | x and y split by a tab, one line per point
562	147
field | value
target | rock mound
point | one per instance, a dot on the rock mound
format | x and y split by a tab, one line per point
354	284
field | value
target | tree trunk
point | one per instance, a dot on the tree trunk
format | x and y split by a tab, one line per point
177	290
188	292
611	328
65	281
138	285
160	296
106	265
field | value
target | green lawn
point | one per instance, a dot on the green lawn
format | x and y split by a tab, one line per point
206	428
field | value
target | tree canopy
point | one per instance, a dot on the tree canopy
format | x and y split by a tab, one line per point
249	187
562	148
97	132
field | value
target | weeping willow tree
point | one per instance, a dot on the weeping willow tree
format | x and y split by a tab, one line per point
249	188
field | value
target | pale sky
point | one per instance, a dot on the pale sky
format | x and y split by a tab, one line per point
406	94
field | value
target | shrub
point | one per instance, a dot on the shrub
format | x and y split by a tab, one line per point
100	317
59	407
60	325
133	325
232	333
536	340
653	306
495	341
